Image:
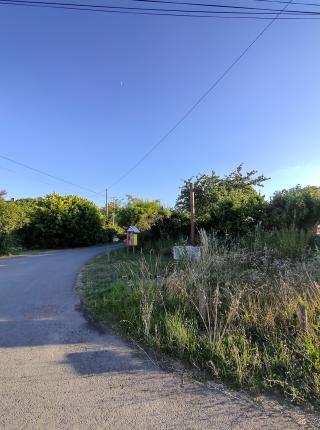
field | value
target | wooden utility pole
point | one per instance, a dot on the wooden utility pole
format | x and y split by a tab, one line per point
107	209
113	210
192	215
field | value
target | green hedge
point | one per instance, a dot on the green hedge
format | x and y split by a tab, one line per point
61	221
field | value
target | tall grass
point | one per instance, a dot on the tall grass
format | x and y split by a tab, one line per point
247	313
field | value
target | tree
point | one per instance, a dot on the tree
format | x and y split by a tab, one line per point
61	221
230	204
142	213
174	226
297	207
11	219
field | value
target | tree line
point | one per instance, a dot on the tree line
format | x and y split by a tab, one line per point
235	203
231	205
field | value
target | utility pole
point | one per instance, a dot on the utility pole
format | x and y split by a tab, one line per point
192	214
113	210
107	209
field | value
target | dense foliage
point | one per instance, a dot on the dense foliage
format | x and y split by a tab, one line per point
231	206
228	205
66	221
11	220
61	221
142	213
298	207
48	222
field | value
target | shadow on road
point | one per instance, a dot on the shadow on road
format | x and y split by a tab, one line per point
106	361
41	332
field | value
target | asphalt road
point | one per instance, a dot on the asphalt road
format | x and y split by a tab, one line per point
57	372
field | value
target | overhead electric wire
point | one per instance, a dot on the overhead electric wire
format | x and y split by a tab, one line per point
85	9
219	5
161	12
276	1
267	11
103	7
32	179
200	99
57	178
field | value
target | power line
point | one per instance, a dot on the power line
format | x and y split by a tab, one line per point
203	96
225	6
41	172
188	15
276	1
235	9
32	179
266	11
158	11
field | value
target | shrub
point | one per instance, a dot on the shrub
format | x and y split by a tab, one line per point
171	227
288	242
281	243
12	217
298	207
62	221
111	231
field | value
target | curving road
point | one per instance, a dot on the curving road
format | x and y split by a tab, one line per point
57	372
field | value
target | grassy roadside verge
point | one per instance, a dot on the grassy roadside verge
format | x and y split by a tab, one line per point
246	316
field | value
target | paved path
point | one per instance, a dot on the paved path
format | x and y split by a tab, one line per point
56	372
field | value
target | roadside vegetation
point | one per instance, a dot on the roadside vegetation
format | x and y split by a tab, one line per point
247	313
53	221
231	206
56	221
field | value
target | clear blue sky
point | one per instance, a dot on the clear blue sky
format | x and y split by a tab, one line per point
84	95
